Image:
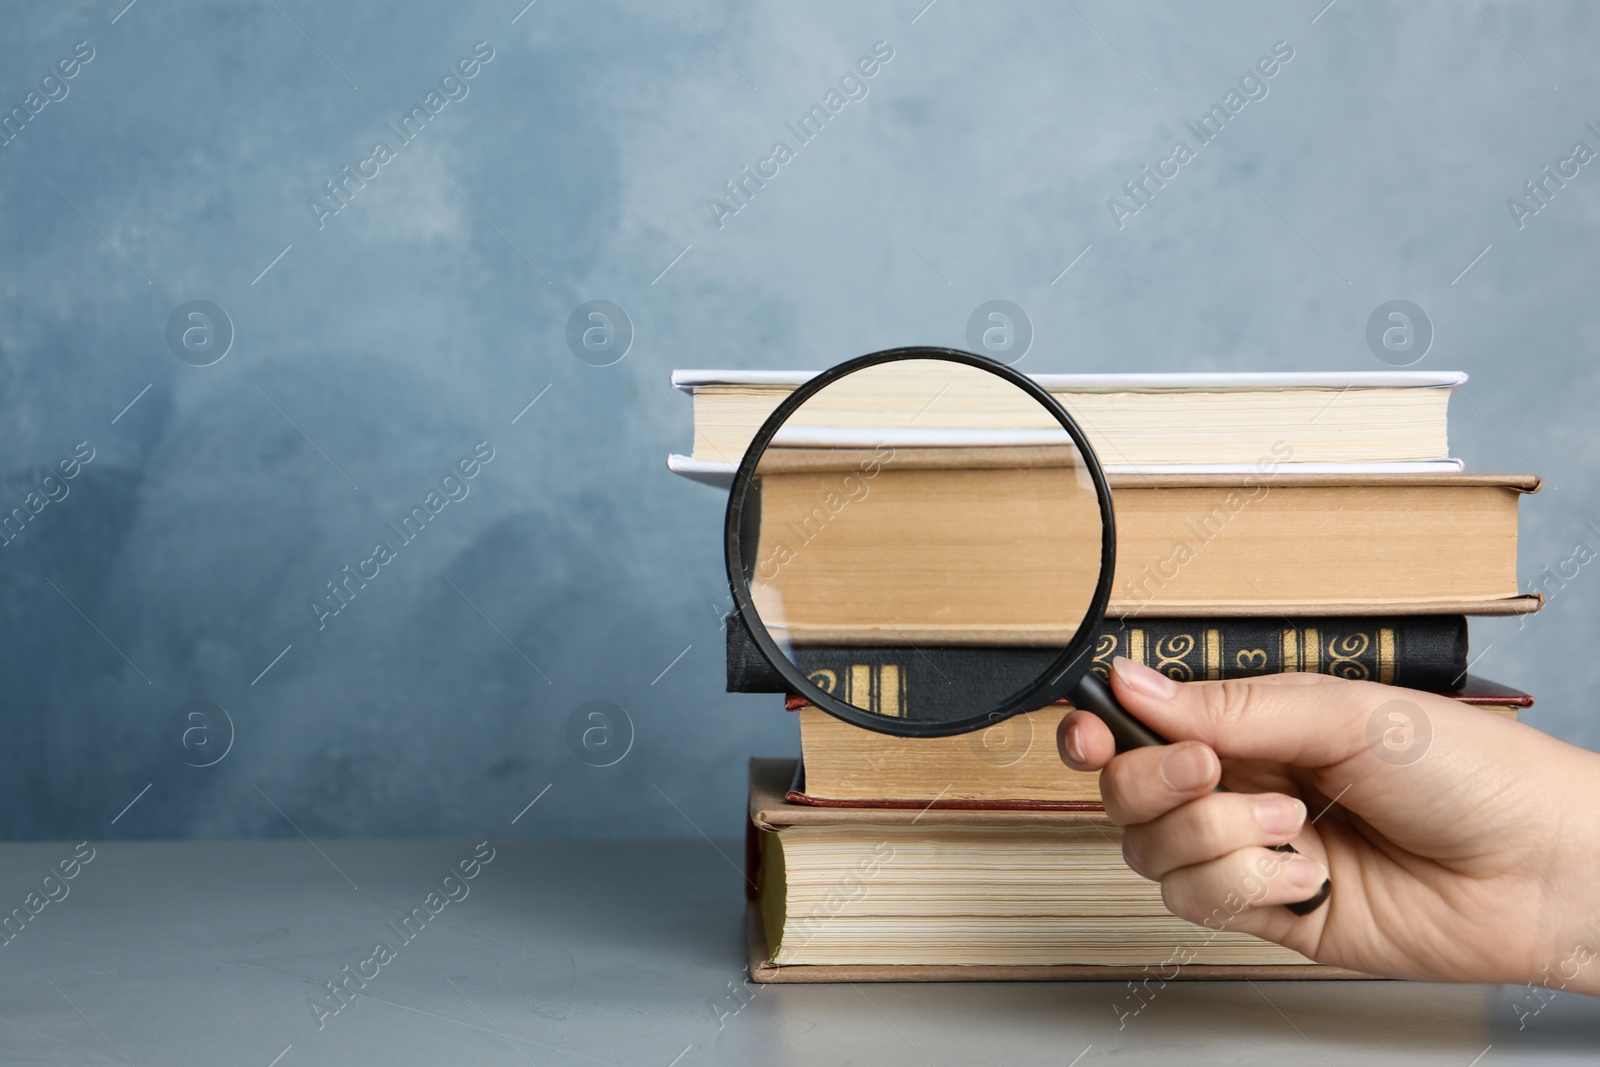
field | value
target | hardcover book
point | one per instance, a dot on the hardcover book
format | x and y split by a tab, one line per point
1139	419
1012	763
892	896
1427	652
1187	545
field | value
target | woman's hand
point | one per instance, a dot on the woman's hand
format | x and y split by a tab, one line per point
1462	846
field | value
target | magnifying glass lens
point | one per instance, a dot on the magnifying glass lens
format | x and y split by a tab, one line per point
922	540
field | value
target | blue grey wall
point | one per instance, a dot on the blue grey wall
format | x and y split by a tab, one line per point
374	347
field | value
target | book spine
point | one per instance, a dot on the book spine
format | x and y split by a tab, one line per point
1427	652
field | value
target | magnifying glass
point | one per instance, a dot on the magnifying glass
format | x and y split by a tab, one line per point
921	542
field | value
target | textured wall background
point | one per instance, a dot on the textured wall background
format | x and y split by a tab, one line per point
384	341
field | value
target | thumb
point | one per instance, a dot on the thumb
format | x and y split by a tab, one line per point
1307	720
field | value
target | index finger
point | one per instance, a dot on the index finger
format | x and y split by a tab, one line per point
1307	720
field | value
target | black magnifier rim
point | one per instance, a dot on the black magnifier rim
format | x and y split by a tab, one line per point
1061	675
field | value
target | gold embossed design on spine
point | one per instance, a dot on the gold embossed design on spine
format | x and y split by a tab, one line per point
1386	655
1213	655
1105	647
1172	654
860	691
1291	651
891	689
1344	656
1136	646
1313	651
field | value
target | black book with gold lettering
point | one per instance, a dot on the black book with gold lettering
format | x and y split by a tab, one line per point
1427	652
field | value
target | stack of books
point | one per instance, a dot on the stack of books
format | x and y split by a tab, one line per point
1265	523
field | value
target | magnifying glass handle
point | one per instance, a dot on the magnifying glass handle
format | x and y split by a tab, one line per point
1094	696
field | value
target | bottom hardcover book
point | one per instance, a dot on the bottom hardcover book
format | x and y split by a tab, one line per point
895	895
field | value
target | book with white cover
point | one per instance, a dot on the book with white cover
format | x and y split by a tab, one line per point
720	475
1213	423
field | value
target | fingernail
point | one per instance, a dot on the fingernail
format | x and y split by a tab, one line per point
1187	767
1142	679
1305	873
1279	815
1074	744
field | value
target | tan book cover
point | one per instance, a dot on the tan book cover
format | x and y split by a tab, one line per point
1187	545
1013	760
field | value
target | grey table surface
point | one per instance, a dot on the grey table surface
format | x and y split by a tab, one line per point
604	952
